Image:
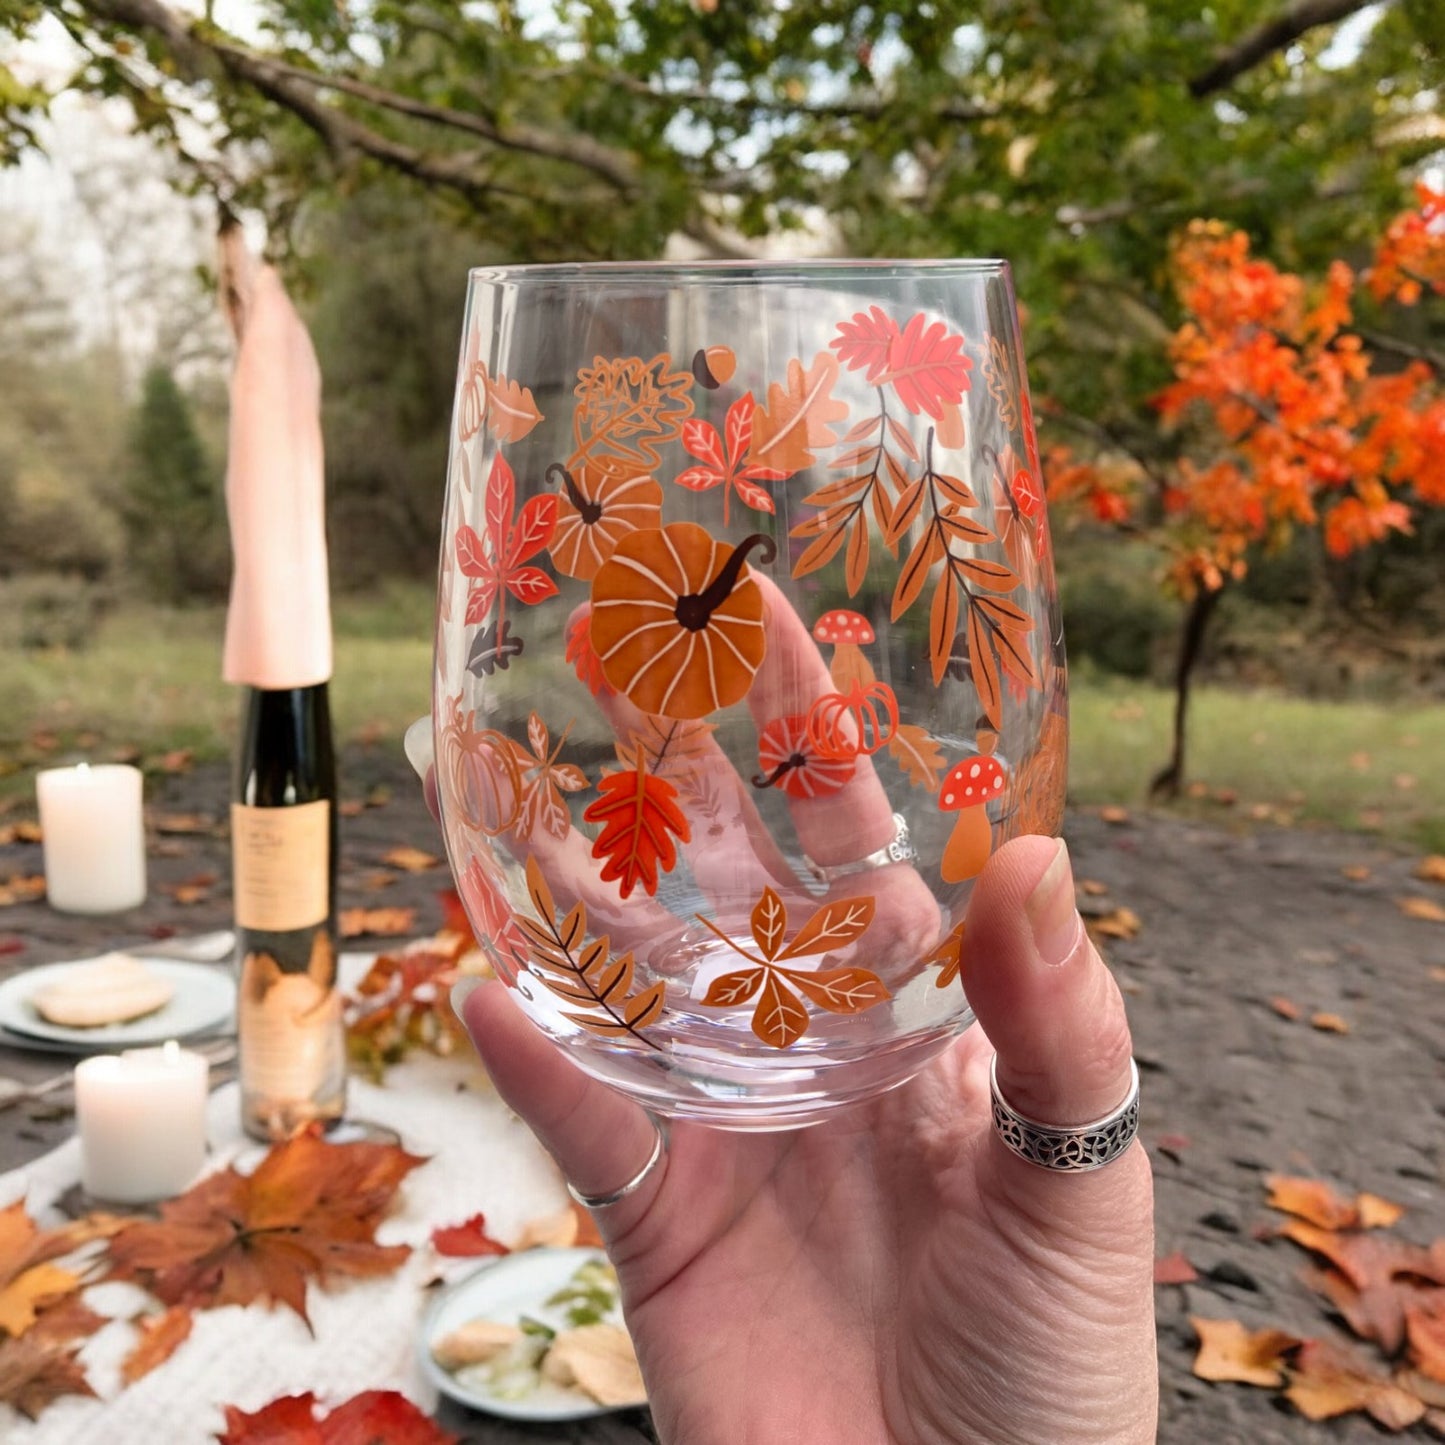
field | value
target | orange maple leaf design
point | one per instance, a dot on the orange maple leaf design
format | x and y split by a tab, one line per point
641	825
779	1016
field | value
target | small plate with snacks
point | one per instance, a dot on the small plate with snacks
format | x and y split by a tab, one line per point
116	1001
536	1335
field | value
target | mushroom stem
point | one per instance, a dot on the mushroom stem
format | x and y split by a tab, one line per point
849	666
968	845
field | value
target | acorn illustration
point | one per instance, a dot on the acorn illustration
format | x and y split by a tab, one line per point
714	366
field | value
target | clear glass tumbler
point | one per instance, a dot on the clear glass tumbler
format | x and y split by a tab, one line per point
748	654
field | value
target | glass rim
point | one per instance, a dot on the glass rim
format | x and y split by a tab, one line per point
809	268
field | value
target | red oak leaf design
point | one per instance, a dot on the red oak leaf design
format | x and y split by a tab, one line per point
640	820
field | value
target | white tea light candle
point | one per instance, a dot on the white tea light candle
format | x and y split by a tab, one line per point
141	1116
94	837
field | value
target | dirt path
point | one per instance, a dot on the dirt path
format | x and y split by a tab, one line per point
1233	1091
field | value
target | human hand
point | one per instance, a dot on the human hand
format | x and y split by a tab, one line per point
895	1273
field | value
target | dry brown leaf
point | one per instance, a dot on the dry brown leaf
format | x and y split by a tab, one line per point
36	1370
178	760
1425	909
1357	872
377	922
191	890
1329	1023
21	890
161	1335
1431	868
182	823
1425	1329
1174	1269
21	832
1377	1212
1117	923
1437	973
309	1210
1318	1203
588	1235
1360	762
550	1231
1286	1008
1092	888
29	1282
1328	1379
350	808
411	860
1229	1351
1113	813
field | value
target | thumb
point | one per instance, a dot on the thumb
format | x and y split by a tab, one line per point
1043	995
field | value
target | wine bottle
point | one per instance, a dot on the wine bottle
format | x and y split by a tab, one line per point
283	843
289	1025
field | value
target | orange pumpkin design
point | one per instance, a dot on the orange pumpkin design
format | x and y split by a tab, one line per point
677	621
861	720
600	504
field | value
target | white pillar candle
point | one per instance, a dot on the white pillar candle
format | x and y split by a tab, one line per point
94	837
142	1122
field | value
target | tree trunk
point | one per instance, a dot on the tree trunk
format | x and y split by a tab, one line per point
1167	782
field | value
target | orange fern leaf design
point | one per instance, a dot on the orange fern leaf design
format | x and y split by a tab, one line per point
641	826
586	974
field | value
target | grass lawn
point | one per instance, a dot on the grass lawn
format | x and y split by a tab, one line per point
151	681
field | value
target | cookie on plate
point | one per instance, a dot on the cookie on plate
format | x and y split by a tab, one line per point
113	989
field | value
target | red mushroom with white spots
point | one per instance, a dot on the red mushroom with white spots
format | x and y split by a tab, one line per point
847	632
967	790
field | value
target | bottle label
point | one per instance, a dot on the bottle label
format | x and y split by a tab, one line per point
281	860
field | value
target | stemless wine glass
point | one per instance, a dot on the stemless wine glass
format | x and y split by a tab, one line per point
748	654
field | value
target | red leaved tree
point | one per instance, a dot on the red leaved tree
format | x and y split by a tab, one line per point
1282	415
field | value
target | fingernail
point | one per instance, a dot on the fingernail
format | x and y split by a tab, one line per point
416	742
1052	913
462	990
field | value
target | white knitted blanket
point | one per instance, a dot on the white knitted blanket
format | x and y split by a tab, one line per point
480	1158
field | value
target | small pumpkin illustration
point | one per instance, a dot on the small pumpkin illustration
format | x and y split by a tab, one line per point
790	761
677	621
600	504
861	720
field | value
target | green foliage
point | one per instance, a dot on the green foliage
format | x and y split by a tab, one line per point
42	611
385	296
1114	614
172	507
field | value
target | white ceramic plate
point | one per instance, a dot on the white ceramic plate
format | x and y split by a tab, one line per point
203	1002
512	1286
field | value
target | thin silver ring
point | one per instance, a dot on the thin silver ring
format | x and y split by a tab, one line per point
616	1196
899	849
1069	1149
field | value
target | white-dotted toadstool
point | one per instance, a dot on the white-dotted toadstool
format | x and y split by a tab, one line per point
847	632
967	790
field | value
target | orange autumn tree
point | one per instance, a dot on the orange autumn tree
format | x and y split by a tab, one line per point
1282	415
